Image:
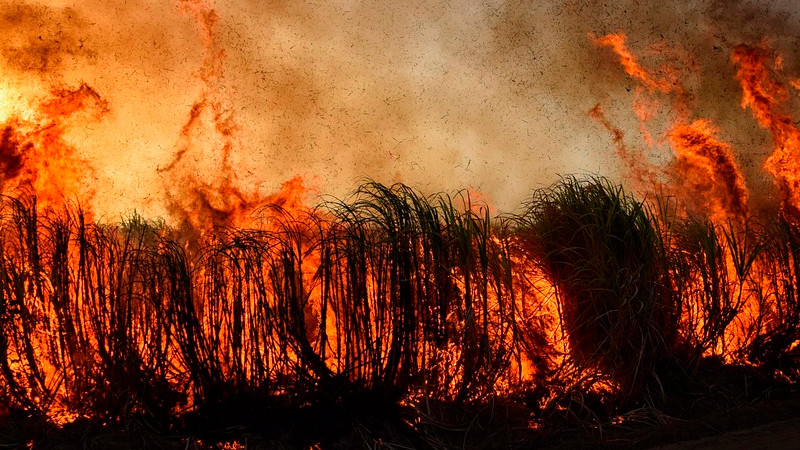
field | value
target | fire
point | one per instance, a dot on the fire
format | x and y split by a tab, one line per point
700	156
765	96
707	167
203	202
217	200
666	81
703	174
7	105
35	154
255	294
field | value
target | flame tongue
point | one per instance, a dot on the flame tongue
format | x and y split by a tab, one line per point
703	174
66	102
666	83
765	96
35	154
203	199
706	165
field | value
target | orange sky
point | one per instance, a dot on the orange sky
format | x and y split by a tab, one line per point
489	95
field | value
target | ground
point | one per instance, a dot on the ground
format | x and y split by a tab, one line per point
778	436
767	424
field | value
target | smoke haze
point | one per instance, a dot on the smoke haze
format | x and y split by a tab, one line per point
488	95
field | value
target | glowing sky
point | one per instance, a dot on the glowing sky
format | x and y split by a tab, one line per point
492	95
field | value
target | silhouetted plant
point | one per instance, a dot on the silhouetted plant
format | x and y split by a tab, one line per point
387	295
603	254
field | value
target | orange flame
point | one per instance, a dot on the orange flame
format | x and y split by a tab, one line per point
641	172
35	154
704	167
764	96
666	83
707	168
204	201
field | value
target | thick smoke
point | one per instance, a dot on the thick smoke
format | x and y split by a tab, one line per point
442	95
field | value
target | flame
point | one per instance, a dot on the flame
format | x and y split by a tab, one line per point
201	200
665	82
35	152
641	173
206	191
703	174
765	97
707	167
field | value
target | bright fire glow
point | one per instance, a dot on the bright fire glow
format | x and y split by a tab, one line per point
263	290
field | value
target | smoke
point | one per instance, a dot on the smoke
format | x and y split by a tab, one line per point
42	40
493	96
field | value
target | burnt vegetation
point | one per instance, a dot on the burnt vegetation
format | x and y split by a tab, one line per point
393	316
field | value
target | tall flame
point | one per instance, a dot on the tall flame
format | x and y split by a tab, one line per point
703	173
705	165
200	200
765	97
34	153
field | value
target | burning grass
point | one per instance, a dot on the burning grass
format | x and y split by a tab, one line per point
587	305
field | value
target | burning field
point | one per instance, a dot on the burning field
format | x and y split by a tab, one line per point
169	269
